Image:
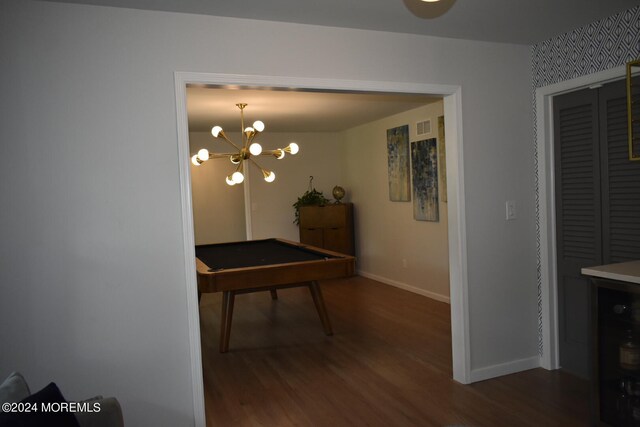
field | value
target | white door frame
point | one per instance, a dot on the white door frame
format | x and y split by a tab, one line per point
546	187
455	188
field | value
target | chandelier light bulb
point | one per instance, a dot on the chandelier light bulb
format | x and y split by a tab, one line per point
215	131
255	149
249	130
235	159
230	181
237	177
258	126
280	153
269	176
194	160
203	155
293	148
430	1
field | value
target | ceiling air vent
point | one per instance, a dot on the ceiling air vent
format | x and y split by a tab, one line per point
423	128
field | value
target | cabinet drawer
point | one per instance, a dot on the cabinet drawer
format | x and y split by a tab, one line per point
312	236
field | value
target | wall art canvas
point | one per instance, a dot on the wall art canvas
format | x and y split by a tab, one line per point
442	160
398	164
424	167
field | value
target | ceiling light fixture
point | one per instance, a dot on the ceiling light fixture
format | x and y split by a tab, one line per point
249	148
428	9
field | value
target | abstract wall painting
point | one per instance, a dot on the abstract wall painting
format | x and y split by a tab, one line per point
424	166
398	164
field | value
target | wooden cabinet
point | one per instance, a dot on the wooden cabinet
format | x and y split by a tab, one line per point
616	352
329	227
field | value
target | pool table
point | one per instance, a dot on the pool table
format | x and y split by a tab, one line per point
266	265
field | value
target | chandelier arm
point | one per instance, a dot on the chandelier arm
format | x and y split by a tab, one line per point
268	175
278	153
256	164
275	152
251	138
224	136
221	155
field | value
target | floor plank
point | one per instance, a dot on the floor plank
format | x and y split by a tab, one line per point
387	364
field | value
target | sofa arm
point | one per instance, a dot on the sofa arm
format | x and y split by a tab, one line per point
110	414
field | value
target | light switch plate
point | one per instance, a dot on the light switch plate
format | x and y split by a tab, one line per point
511	210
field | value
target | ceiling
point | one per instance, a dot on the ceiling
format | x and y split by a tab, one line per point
293	111
507	21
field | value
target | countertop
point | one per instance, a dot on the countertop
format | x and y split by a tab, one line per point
624	271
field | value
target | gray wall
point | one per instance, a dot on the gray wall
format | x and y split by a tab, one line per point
91	262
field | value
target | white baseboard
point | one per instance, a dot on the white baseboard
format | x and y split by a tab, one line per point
423	292
504	369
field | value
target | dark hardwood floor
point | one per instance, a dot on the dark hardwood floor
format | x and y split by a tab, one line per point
388	364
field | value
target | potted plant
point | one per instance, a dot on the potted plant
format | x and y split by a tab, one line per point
311	197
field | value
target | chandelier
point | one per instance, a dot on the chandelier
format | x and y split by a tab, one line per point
243	153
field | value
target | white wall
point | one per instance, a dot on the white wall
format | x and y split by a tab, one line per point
320	156
386	233
218	209
91	261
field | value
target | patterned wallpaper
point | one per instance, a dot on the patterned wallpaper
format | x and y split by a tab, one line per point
599	46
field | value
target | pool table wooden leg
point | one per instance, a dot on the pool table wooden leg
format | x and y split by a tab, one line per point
228	298
316	294
274	294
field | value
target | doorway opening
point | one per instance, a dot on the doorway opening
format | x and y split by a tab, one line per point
457	243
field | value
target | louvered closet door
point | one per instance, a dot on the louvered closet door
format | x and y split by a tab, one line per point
578	219
597	204
621	179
